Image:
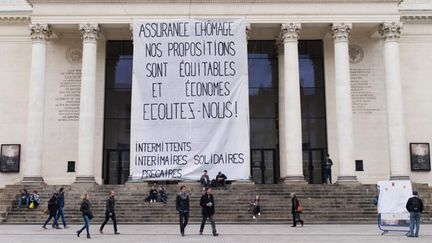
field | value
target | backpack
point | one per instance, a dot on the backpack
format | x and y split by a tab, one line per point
416	204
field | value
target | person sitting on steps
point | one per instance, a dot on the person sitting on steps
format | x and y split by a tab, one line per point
220	179
205	180
153	195
255	207
163	196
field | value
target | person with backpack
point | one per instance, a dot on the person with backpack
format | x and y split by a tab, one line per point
415	208
296	210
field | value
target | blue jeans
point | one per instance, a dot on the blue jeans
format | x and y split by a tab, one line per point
49	218
86	225
27	201
60	213
414	223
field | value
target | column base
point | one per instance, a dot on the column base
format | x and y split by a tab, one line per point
294	180
347	180
85	179
399	178
32	180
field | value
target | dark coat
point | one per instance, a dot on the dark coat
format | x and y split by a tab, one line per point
221	176
182	204
52	206
61	200
414	205
110	205
206	210
294	205
85	207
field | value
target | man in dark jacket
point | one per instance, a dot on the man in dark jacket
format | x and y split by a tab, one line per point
415	208
220	178
182	206
61	204
327	170
110	213
208	210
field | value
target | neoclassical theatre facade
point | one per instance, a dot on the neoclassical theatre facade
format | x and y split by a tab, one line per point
348	78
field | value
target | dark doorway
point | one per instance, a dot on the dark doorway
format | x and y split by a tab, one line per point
313	162
264	167
313	107
118	86
117	166
263	111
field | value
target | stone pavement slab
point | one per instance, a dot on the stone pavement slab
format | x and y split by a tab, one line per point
268	233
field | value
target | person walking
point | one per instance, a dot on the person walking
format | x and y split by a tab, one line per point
182	206
110	213
296	209
208	210
52	211
327	170
415	208
255	207
87	215
61	204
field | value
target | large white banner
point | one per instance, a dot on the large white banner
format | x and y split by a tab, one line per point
190	107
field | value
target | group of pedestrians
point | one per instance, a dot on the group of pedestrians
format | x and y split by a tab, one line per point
87	214
208	209
55	209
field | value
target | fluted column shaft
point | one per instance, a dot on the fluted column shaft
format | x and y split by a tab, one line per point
35	116
290	126
398	146
345	135
86	136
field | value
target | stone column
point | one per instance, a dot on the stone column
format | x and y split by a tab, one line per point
398	146
290	126
90	35
281	104
345	135
35	115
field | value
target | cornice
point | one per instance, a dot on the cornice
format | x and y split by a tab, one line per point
211	1
14	19
416	15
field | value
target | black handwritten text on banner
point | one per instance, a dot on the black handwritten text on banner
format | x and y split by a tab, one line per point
189	100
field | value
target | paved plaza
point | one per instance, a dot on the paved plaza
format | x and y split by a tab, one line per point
268	233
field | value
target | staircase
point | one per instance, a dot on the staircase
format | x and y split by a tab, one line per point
323	204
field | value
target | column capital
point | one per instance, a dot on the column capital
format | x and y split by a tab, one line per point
340	31
89	32
131	28
40	32
390	31
290	31
280	46
248	28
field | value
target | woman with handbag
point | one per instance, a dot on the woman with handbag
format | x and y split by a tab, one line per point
296	210
87	215
52	210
